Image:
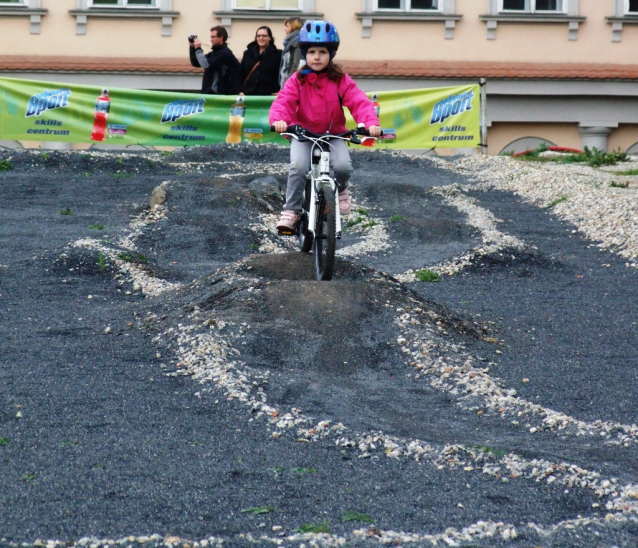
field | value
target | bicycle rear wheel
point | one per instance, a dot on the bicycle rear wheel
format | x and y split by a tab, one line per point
325	235
305	236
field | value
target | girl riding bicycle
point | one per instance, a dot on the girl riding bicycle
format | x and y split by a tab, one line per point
314	98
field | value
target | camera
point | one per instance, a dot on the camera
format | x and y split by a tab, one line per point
192	37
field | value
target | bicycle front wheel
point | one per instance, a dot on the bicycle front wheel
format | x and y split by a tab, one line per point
325	241
305	236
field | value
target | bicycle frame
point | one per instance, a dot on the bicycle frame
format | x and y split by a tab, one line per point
320	176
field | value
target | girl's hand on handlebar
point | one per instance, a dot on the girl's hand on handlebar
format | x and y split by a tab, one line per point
281	126
375	131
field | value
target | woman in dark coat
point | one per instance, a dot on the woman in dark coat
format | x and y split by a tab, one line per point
260	65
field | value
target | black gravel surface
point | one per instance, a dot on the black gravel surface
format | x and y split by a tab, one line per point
97	441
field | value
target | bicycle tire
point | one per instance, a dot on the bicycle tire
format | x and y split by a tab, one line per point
325	241
305	236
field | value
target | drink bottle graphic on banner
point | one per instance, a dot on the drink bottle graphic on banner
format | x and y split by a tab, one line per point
237	113
102	107
375	104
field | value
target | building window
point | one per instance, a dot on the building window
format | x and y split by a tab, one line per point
533	6
124	3
13	2
632	6
408	5
268	4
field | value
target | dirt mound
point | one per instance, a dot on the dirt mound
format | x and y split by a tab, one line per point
299	266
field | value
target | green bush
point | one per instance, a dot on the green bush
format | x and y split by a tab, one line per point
5	165
592	157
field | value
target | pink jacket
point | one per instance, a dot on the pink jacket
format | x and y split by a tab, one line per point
315	104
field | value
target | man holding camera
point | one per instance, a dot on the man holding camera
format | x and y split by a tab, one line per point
221	67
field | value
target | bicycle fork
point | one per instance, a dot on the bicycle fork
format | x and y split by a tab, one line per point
320	175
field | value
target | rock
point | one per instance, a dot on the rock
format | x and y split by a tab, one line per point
554	154
158	195
107	330
268	192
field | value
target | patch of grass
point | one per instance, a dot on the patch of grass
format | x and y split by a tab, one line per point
396	218
120	161
314	528
66	211
354	222
253	246
628	172
369	224
619	185
305	470
426	275
533	154
28	477
87	174
240	459
592	157
126	257
259	510
5	165
4	441
556	201
98	467
139	258
357	516
101	261
487	449
121	175
68	444
167	153
96	226
45	156
363	212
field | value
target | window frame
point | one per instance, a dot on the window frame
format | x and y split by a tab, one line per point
123	4
626	10
25	8
268	7
532	9
409	9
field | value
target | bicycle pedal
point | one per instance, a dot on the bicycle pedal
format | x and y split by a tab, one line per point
287	232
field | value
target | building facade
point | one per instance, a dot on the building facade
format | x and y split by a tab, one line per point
560	71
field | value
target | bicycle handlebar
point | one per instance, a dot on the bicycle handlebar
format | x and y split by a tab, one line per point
301	132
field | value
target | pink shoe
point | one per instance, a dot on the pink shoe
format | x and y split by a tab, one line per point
288	221
345	202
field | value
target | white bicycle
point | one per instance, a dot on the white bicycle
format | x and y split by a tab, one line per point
319	225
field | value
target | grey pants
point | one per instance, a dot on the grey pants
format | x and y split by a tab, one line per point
300	165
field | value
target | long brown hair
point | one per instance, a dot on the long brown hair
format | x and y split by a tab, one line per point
334	71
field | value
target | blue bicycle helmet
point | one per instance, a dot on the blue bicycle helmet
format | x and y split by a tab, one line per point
319	33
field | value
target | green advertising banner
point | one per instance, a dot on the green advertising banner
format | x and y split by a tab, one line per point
44	111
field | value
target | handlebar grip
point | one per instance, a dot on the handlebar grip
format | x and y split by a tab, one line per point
365	132
290	129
